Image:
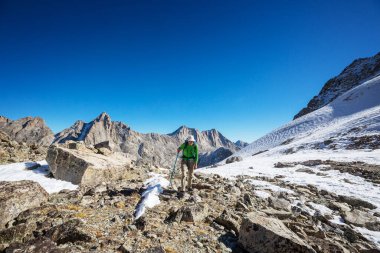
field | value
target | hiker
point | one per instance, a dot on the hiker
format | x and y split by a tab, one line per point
190	159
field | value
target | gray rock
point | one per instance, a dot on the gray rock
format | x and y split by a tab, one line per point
361	219
18	196
268	235
279	203
234	159
305	170
70	231
190	213
84	167
356	202
227	220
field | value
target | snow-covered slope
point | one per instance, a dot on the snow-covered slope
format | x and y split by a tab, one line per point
355	113
357	72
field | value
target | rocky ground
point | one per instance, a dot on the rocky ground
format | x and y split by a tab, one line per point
219	215
371	172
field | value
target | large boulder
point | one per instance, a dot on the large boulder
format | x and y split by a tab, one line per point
81	165
269	235
18	196
361	219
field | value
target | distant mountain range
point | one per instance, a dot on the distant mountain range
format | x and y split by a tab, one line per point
153	148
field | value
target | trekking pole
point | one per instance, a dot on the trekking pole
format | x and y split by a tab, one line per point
173	171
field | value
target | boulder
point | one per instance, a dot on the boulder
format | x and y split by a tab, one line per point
84	166
234	159
361	219
70	231
267	235
229	221
356	202
279	203
189	213
18	196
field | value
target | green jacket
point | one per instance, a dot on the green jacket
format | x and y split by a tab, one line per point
189	151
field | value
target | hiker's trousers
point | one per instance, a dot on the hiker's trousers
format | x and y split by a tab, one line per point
189	163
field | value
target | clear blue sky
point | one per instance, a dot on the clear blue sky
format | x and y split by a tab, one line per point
242	67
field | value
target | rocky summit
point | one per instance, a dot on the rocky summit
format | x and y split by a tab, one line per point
156	149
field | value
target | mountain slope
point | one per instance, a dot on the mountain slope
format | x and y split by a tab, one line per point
354	114
353	75
157	149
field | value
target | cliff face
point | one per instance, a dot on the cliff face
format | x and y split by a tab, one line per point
156	149
353	75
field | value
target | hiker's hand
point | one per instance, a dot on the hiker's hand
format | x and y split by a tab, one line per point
195	166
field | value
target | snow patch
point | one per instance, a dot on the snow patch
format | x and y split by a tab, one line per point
21	171
150	197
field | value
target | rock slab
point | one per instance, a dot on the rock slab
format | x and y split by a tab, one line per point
269	235
85	167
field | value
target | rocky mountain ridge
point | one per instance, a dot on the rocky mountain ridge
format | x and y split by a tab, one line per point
25	139
359	71
31	130
153	148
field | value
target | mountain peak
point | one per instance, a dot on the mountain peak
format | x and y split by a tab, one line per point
103	117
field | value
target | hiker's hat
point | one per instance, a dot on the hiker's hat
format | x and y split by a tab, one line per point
190	138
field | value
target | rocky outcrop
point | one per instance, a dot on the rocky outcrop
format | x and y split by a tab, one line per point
361	219
156	149
76	163
355	74
22	140
12	151
234	159
19	196
263	234
31	130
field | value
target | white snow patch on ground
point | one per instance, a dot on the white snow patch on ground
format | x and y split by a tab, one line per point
268	186
373	236
150	197
333	181
262	194
321	208
20	171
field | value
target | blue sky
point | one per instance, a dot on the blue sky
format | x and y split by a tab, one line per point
242	67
